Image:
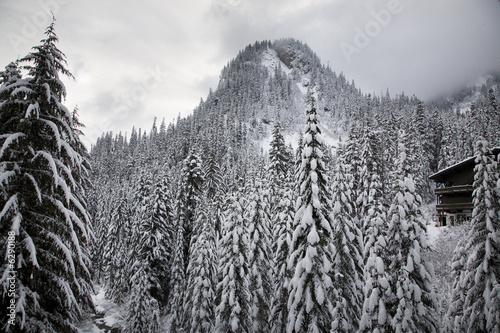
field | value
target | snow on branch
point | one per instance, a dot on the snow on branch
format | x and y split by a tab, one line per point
55	130
52	165
47	91
5	176
68	173
33	108
22	89
12	202
83	211
35	185
30	246
76	159
9	140
69	217
67	252
70	297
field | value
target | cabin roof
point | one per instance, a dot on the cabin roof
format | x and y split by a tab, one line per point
467	164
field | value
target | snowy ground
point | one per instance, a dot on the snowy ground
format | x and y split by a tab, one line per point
434	232
109	317
443	241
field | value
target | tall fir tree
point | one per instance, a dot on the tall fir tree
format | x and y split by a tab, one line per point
353	155
493	113
43	200
413	307
453	319
376	282
233	311
280	158
368	166
481	308
282	209
158	240
188	197
115	252
143	313
259	256
310	305
347	242
214	188
282	234
12	96
199	299
213	178
152	236
177	283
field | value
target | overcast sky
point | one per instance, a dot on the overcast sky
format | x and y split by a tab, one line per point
134	60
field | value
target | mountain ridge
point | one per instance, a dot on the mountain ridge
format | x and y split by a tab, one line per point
266	83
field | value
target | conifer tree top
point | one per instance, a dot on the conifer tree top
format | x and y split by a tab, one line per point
47	62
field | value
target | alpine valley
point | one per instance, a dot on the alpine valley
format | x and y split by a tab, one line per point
288	201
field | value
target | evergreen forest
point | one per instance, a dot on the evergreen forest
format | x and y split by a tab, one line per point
288	201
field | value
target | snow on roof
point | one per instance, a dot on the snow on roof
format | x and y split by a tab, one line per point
468	161
451	168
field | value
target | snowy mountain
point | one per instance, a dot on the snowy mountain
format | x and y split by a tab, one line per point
244	158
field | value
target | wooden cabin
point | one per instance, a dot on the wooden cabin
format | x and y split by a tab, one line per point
454	191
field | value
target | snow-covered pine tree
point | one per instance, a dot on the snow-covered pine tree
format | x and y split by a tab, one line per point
12	93
153	235
213	178
100	214
419	146
347	241
473	131
310	305
376	283
282	235
436	141
43	199
280	159
493	115
481	309
282	213
233	313
188	197
388	147
414	306
199	299
158	238
368	168
214	188
452	321
353	155
146	252
142	203
143	313
115	252
177	283
298	157
259	254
